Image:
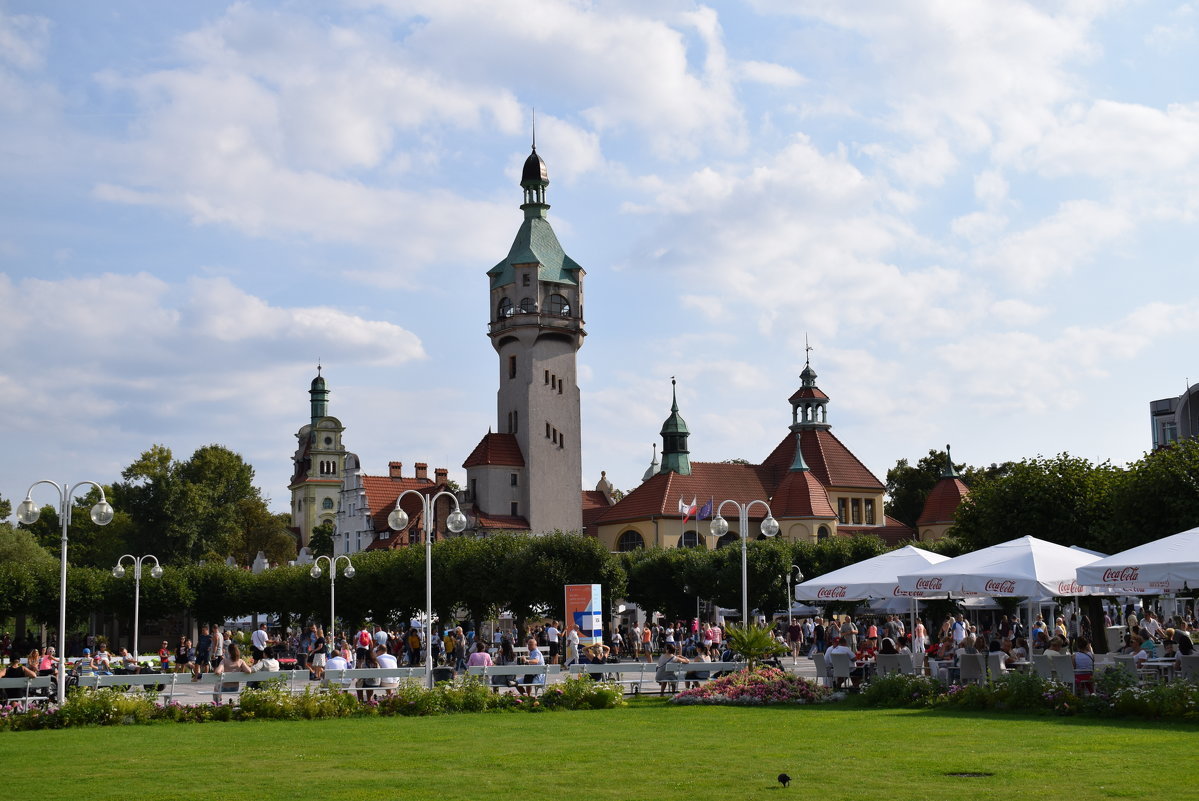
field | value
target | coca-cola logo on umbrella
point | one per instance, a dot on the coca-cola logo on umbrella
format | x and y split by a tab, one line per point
928	583
831	592
1069	588
1121	574
1006	586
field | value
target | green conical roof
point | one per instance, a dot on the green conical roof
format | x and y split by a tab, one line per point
675	424
537	243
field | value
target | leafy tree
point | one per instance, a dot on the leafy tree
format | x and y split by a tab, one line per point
1153	497
321	542
262	531
182	511
18	545
1064	499
5	508
908	485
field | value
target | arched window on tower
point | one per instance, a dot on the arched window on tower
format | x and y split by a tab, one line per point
327	503
528	306
559	305
505	309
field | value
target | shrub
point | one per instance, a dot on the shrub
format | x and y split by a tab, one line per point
898	690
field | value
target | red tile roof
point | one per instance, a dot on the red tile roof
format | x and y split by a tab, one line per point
594	504
829	460
381	494
942	502
659	496
496	449
800	494
500	522
807	392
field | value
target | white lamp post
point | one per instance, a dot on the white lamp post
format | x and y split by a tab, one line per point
119	572
315	572
798	577
27	514
455	522
720	527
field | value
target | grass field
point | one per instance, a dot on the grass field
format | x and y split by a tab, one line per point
648	751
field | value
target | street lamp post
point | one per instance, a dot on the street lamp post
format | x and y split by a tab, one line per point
720	527
119	572
455	522
315	572
27	514
798	574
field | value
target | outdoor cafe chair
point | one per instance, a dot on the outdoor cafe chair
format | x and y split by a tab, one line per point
822	674
995	664
971	669
887	664
1190	668
842	668
1063	666
1042	666
906	665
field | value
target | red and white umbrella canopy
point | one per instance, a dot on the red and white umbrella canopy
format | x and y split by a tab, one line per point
1026	567
1164	565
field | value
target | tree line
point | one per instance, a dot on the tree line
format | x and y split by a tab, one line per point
1064	499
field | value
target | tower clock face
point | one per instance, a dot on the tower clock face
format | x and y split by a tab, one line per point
328	440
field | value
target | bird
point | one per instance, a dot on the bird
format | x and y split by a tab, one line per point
784	779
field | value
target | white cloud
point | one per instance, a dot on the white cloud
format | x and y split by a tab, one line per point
23	40
1073	235
770	74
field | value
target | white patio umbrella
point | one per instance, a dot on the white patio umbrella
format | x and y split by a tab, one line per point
1026	567
1161	566
876	577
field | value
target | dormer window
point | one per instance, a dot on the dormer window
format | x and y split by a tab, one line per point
525	279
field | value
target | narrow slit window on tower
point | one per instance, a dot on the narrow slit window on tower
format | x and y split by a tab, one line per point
547	376
515	509
547	430
513	479
525	279
512	367
559	387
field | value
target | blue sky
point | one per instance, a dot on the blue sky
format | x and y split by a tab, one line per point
982	214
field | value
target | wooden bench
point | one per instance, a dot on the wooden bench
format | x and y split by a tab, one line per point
516	674
683	670
143	682
346	679
29	688
626	674
215	680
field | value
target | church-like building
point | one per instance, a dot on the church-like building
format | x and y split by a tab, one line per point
317	466
814	485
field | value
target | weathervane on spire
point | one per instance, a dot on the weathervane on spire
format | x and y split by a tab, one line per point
807	351
318	366
534	130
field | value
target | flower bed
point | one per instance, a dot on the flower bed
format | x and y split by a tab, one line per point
757	687
108	707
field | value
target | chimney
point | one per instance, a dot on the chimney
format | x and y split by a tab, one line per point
441	475
395	469
422	471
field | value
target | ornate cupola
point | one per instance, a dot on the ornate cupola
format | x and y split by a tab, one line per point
319	395
809	406
949	470
675	455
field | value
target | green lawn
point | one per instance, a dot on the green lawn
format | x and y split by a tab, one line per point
648	752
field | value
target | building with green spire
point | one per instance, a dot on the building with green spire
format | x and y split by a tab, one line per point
317	466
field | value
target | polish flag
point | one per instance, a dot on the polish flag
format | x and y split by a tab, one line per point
687	510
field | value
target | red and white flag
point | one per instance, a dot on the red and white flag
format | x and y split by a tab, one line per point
687	510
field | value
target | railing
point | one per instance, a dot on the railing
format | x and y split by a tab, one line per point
522	319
